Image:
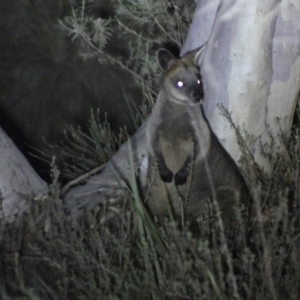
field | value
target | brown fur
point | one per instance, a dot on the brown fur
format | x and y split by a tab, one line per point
188	164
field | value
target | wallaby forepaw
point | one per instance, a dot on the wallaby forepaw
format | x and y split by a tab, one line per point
166	175
181	176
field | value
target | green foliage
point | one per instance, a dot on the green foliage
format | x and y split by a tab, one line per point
94	33
81	152
140	27
150	24
128	256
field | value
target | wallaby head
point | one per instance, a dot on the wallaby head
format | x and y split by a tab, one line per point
181	77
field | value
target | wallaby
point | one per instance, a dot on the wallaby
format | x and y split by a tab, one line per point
188	165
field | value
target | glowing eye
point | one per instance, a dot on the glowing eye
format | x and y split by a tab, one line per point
198	81
180	84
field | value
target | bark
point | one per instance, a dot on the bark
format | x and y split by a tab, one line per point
19	183
250	65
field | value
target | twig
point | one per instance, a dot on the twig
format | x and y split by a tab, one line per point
82	177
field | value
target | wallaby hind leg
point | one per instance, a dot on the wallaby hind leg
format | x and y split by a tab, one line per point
232	210
181	176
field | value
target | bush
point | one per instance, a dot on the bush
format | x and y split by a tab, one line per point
127	256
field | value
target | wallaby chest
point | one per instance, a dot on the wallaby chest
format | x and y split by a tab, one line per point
175	135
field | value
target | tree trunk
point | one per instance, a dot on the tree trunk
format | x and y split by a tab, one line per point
251	65
19	183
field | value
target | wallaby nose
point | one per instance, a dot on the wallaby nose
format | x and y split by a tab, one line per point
197	95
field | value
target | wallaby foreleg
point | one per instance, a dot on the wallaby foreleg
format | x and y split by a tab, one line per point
183	173
165	173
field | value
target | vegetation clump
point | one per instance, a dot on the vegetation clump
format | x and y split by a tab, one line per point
129	256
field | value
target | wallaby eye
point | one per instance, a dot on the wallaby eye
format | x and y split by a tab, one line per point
198	81
179	83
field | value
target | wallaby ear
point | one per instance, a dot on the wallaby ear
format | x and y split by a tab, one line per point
165	59
196	54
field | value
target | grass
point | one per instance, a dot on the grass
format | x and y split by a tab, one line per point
47	256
